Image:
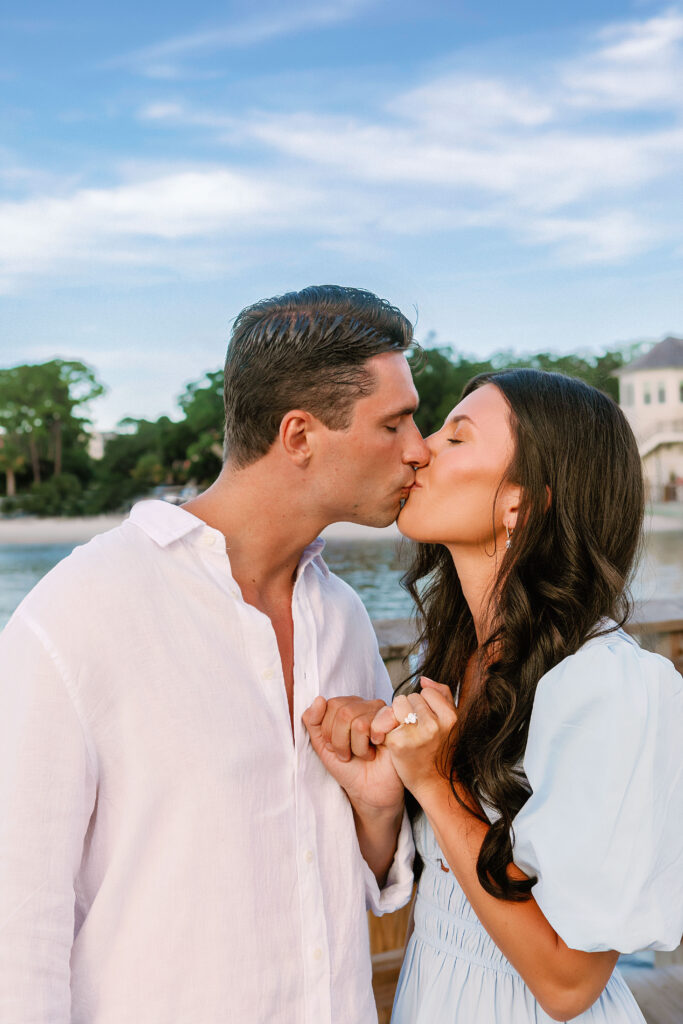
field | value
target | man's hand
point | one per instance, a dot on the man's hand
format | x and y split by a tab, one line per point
340	734
346	725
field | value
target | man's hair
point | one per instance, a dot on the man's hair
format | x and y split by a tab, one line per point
303	350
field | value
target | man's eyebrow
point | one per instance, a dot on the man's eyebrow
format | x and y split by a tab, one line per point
408	411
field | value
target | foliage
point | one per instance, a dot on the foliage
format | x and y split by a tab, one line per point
40	420
59	496
43	430
440	374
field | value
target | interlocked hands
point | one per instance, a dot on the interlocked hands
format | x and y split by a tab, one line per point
372	752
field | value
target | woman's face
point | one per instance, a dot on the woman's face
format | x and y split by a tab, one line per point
452	500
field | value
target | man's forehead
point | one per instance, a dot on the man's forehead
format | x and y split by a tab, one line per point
390	369
394	393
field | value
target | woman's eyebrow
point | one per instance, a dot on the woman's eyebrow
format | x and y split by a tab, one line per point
457	419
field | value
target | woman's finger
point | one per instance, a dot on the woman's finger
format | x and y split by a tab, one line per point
442	706
412	704
431	684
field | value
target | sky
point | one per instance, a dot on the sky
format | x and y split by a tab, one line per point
510	175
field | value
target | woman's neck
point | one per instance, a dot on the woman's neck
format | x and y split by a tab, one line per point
477	572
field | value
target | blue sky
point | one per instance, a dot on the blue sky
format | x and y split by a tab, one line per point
511	174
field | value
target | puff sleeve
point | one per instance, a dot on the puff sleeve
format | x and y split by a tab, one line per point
603	827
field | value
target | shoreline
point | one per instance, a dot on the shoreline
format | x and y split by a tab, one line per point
30	531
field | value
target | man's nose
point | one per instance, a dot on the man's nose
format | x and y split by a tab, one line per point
417	453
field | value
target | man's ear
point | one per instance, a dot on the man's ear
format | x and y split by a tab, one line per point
295	435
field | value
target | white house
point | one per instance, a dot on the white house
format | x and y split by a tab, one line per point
651	395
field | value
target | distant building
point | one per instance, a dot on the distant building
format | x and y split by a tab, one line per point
98	442
651	395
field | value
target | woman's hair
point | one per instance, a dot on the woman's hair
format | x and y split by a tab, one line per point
565	573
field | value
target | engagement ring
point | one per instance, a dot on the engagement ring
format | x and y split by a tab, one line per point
410	719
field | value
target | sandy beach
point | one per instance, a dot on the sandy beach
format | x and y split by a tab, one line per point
30	530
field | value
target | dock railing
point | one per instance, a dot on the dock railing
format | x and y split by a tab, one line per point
657	625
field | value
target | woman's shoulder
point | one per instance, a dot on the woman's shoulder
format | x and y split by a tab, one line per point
609	666
601	828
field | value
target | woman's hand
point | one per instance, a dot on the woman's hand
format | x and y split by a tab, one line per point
417	749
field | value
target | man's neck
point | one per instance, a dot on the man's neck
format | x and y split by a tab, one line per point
266	528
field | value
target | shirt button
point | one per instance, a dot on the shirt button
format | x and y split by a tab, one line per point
308	856
268	674
317	953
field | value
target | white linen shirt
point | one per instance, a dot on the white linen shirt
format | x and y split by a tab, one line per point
169	852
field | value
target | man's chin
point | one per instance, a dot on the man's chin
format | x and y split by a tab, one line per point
380	519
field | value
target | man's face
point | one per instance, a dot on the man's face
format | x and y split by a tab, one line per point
370	466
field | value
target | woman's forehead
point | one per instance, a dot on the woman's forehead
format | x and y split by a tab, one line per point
485	404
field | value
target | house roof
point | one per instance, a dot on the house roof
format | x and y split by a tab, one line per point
668	354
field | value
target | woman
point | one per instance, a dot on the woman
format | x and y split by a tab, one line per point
546	760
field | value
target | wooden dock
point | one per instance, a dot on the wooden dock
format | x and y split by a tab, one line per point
657	626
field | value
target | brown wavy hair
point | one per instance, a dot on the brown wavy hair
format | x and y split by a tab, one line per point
566	572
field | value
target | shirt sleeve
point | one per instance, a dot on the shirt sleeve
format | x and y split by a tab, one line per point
47	793
398	887
602	827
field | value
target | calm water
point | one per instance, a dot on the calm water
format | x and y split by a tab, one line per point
372	568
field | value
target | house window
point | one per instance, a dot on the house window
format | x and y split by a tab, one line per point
647	395
661	393
680	391
628	394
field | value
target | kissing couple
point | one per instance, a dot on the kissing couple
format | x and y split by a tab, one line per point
205	777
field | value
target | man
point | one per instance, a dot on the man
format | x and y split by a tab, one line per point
171	848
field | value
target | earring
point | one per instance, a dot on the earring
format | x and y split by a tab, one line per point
508	542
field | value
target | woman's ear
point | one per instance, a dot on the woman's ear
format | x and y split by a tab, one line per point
511	499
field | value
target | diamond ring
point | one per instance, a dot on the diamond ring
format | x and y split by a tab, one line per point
410	719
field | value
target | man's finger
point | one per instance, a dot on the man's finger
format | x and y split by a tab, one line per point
384	721
360	738
312	718
340	737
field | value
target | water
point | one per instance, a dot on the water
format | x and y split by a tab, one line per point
372	568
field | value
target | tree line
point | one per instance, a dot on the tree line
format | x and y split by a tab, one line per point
45	427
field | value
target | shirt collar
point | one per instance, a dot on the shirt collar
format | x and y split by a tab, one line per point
312	553
165	523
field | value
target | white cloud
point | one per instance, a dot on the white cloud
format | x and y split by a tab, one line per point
140	223
452	152
159	59
461	104
611	237
637	66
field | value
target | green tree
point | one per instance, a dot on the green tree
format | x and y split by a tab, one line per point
202	403
12	460
39	410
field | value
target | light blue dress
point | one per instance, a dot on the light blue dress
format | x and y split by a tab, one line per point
602	831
